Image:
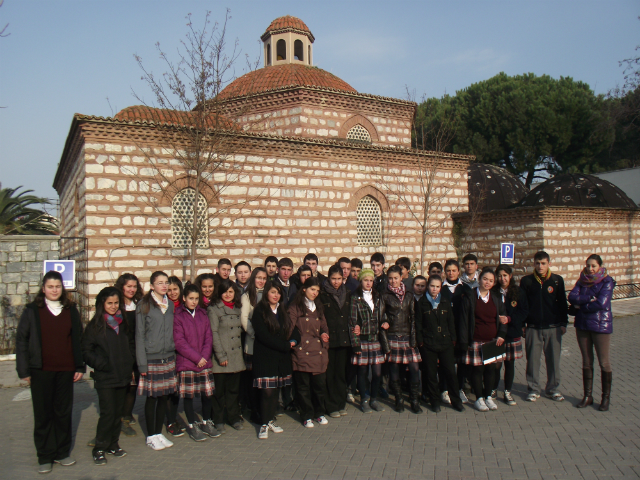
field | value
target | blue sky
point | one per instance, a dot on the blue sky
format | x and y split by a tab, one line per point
69	56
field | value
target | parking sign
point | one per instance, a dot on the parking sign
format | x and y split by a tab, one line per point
507	253
66	268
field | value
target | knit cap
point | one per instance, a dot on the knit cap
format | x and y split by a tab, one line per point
366	272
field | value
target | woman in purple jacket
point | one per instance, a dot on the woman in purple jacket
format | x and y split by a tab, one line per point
591	298
194	343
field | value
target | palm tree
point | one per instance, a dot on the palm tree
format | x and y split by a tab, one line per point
17	217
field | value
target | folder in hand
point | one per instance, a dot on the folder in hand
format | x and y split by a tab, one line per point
492	353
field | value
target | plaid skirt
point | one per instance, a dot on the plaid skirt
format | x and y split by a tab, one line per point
272	382
514	349
371	354
191	383
401	351
248	361
160	378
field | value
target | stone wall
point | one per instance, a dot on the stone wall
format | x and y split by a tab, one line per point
21	267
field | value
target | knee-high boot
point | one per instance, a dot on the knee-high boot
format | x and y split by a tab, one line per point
397	393
414	397
606	390
587	380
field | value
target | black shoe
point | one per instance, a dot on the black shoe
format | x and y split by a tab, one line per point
458	406
174	429
436	408
131	420
92	442
117	452
99	458
414	398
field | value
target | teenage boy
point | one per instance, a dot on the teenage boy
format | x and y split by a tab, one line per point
356	268
311	259
546	324
345	265
471	274
285	269
419	288
405	264
223	272
435	268
377	265
271	266
243	273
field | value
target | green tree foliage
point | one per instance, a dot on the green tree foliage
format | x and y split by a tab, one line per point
531	125
18	217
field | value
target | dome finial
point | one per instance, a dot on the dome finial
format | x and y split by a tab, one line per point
287	40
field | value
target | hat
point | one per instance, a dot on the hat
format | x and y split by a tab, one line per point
366	272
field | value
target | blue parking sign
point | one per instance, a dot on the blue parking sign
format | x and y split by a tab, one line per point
66	268
507	253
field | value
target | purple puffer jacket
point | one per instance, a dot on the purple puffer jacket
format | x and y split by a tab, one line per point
193	339
594	316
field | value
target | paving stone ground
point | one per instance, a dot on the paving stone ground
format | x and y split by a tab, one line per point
529	441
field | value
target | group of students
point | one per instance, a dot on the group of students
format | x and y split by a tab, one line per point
304	338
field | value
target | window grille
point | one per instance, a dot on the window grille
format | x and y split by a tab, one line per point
182	220
369	221
359	133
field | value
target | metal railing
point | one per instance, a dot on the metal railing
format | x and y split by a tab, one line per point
626	290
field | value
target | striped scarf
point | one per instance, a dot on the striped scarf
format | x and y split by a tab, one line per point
400	291
540	279
114	321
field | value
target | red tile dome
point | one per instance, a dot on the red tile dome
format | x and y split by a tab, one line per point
288	24
280	76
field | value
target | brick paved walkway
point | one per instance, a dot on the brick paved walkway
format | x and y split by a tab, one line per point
532	440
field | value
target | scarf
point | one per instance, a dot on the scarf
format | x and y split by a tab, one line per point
434	301
471	281
206	301
176	303
54	306
229	304
589	280
400	291
163	303
340	294
114	321
540	279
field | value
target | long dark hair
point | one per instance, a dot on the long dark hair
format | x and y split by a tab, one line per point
64	296
198	283
225	285
147	299
173	280
130	277
299	300
251	289
273	325
513	290
101	324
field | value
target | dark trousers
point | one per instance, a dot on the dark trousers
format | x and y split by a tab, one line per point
111	401
337	379
482	379
310	394
226	395
130	397
445	368
52	398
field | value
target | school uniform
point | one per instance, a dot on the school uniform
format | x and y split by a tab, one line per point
290	290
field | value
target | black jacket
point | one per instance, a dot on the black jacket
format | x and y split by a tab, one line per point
468	317
548	306
337	319
29	344
289	292
435	327
400	317
271	350
380	283
109	354
517	310
352	284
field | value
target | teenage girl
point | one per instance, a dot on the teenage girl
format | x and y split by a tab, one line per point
272	348
253	295
175	291
155	353
311	356
206	283
193	339
132	292
367	339
108	348
228	364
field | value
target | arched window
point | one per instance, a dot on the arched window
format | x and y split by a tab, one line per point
369	222
268	54
298	50
359	134
281	50
182	220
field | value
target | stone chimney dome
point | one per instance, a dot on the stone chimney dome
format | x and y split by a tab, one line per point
287	40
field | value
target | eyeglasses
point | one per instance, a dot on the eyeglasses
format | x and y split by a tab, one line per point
162	284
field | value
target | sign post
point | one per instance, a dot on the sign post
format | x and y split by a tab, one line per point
507	253
66	268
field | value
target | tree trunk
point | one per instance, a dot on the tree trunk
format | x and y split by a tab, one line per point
530	176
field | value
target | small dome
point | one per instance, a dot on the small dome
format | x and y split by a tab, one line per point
577	190
288	24
286	75
494	187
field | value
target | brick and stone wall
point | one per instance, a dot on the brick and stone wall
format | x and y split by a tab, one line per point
21	266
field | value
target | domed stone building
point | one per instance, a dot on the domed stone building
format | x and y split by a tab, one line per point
318	167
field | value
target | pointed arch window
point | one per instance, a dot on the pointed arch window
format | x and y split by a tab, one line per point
182	209
369	222
359	134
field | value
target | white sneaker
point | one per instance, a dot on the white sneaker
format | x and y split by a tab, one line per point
308	423
490	403
532	397
274	427
480	405
164	440
154	443
264	432
463	397
322	420
351	398
444	397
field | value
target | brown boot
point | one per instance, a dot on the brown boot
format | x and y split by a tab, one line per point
587	380
606	391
